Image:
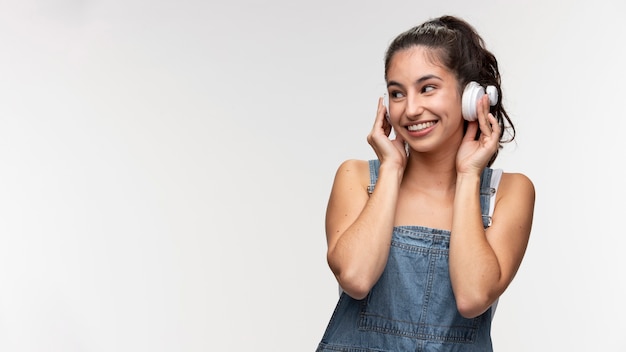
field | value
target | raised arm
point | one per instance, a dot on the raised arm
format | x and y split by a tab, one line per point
359	225
484	262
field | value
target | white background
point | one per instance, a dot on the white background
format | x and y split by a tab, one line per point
165	167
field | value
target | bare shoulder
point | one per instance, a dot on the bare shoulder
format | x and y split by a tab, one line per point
511	223
515	203
353	172
348	197
518	185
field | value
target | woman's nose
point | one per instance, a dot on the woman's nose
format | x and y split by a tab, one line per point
414	107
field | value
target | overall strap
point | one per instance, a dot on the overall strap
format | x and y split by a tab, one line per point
489	181
374	166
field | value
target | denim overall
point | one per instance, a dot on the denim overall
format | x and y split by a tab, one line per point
412	306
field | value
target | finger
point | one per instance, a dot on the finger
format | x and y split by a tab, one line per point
377	125
401	144
399	139
495	126
470	133
484	122
380	114
386	127
381	126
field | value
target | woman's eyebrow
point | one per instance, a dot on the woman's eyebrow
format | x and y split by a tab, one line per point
418	81
427	77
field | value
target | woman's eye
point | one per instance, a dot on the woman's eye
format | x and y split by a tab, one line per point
396	95
427	89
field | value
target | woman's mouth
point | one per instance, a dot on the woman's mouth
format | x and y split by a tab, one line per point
420	126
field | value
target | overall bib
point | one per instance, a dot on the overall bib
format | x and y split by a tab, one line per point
412	306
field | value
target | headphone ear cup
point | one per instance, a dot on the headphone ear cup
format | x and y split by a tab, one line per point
386	104
492	92
471	94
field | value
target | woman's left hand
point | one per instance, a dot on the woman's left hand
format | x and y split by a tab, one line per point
473	155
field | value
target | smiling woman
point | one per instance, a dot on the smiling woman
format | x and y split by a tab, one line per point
415	239
165	168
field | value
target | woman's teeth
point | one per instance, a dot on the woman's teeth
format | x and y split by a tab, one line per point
420	126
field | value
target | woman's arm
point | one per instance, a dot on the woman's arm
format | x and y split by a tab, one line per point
359	226
484	262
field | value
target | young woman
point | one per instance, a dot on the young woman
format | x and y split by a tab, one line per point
424	239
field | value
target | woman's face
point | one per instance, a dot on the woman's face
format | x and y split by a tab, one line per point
424	100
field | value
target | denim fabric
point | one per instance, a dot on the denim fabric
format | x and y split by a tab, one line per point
412	306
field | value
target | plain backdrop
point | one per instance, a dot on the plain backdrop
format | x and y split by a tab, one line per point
165	167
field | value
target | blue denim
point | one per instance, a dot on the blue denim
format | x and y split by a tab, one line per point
412	306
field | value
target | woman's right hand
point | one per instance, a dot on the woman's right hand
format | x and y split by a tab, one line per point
389	151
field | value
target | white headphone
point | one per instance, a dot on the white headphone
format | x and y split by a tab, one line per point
471	95
386	104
